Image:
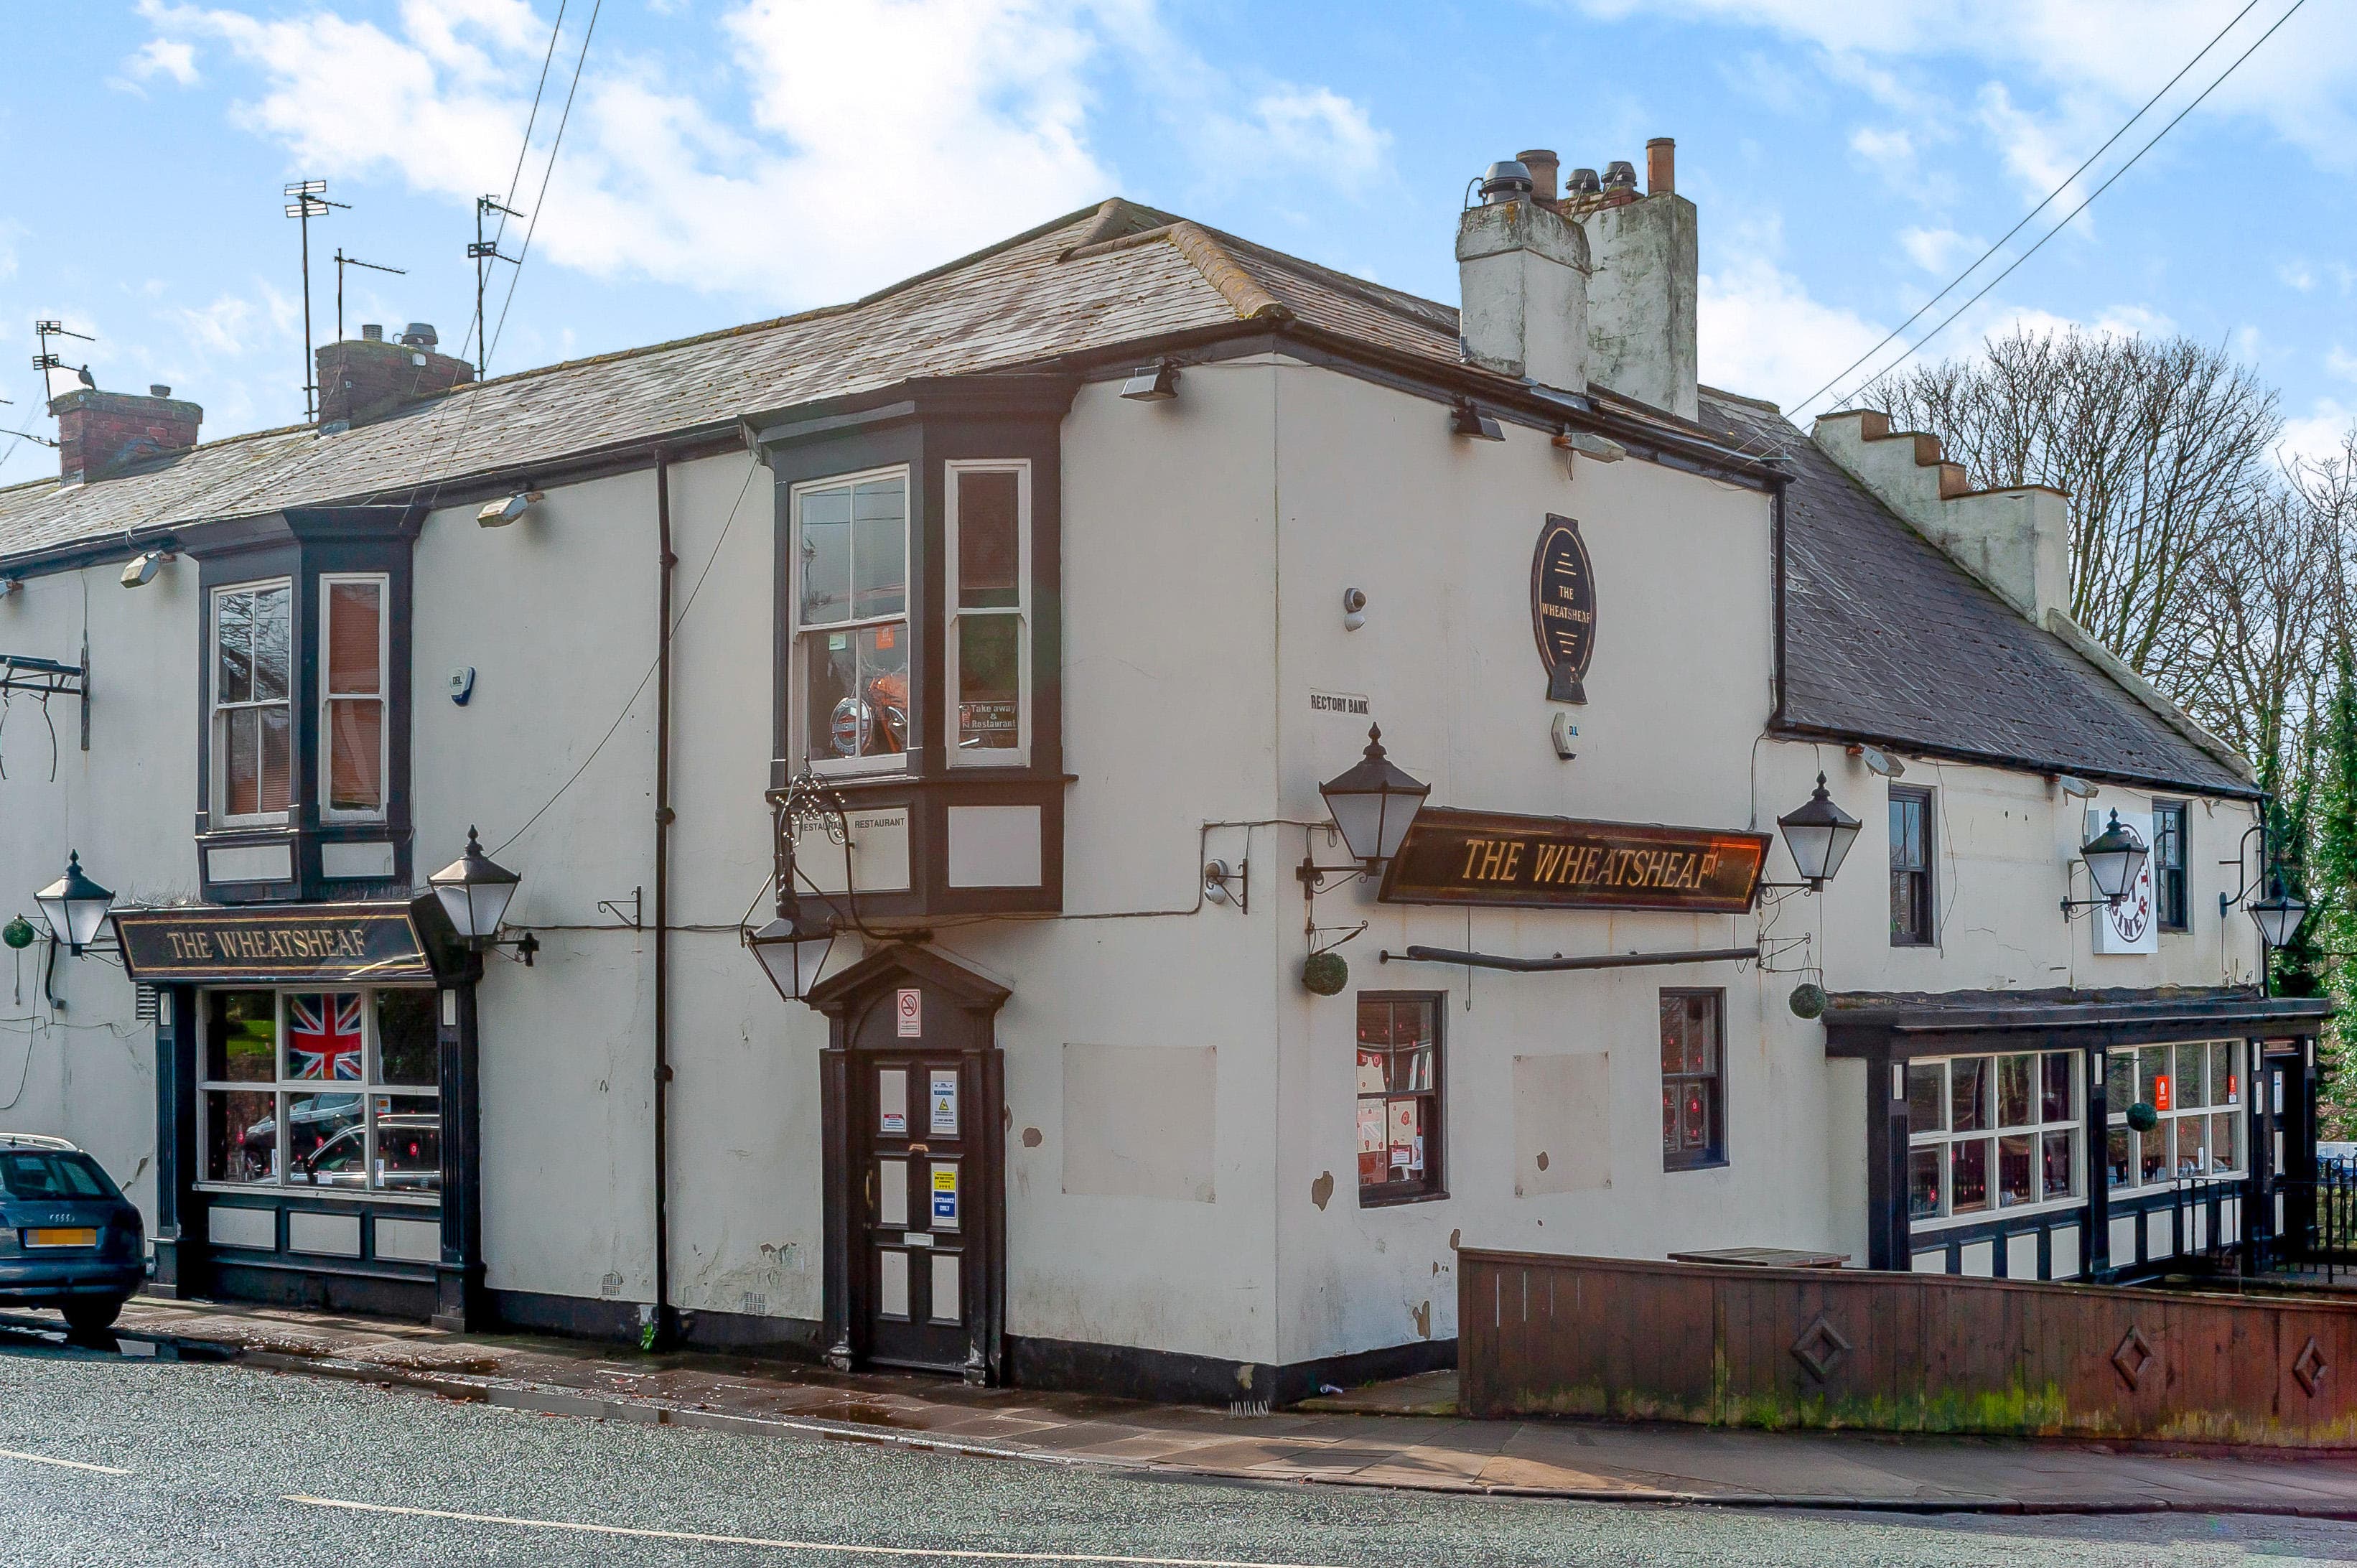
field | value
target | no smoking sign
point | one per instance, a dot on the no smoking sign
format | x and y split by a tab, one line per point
911	1013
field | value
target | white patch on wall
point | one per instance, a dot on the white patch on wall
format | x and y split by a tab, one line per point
1930	1263
409	1240
226	1226
879	853
994	846
1562	1123
2133	925
1139	1121
2124	1239
333	1235
2021	1256
1978	1259
2064	1244
250	863
354	861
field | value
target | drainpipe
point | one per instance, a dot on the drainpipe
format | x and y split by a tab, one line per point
663	1330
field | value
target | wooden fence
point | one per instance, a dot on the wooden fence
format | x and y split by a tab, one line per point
1900	1352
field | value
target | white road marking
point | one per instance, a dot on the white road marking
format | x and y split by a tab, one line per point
61	1464
968	1554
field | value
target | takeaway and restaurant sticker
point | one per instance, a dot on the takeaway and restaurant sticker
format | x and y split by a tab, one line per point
1488	858
359	942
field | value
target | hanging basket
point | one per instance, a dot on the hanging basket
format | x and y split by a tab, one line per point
1807	1000
1325	973
2143	1117
18	933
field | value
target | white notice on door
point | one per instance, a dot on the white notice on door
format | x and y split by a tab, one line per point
911	1013
945	1102
892	1101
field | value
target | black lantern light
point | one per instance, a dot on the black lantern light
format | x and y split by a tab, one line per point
75	907
793	948
1818	834
2277	915
1373	803
2114	858
475	890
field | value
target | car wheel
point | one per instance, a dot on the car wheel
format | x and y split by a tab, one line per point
90	1315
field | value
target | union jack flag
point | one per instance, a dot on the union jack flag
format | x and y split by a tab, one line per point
323	1035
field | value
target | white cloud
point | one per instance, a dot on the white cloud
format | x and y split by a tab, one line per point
1760	332
2340	362
1938	251
2297	274
164	57
224	327
1318	128
2321	434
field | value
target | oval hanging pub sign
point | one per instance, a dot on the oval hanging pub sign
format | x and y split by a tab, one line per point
1563	608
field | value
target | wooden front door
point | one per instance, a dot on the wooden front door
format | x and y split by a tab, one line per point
915	1165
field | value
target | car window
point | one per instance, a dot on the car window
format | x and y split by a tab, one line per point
43	1172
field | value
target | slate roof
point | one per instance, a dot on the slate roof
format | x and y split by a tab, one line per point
1887	640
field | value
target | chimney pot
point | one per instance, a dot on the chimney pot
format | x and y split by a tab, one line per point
420	335
1505	181
373	332
1619	175
1543	165
1583	183
1661	166
158	389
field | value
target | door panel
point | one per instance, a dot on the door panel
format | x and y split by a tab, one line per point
913	1216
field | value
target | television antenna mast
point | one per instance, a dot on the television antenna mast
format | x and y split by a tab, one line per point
343	261
46	362
482	253
309	201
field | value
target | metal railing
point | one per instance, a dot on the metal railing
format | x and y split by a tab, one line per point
2310	1226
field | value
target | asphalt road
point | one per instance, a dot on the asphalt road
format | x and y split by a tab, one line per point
105	1459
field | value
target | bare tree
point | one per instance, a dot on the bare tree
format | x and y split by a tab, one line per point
2159	445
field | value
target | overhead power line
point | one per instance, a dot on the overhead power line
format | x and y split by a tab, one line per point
540	203
1949	319
2044	202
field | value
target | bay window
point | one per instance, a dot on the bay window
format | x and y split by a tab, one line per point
1987	1133
253	720
988	519
851	589
352	697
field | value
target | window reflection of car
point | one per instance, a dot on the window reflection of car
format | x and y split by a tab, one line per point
409	1157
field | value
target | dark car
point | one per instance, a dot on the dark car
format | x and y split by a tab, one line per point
69	1238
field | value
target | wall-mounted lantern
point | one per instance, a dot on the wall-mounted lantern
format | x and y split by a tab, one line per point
793	948
1818	834
1373	802
75	907
2114	858
2277	915
474	890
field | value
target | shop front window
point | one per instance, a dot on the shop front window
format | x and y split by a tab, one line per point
1399	1098
2195	1089
1987	1133
296	1091
851	626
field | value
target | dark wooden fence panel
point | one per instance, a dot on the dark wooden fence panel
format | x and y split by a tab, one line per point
1905	1352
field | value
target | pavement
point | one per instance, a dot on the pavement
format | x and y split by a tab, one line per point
1402	1436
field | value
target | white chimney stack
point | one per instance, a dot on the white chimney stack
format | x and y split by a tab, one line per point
1642	288
1522	279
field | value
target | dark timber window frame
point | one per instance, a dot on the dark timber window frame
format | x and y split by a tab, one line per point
1429	1095
1677	1153
2172	900
1913	884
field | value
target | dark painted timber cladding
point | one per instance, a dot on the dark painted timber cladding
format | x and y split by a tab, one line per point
1887	640
1897	1352
1927	1024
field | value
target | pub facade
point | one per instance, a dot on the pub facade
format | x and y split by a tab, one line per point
1088	819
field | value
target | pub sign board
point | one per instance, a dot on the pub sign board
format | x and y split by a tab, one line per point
1563	608
1554	863
366	943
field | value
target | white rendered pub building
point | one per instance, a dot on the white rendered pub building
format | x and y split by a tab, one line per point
993	662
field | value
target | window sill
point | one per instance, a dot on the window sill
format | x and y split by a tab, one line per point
331	1194
1919	943
1672	1167
1381	1200
1936	1224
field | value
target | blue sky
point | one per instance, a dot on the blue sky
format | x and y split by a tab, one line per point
731	159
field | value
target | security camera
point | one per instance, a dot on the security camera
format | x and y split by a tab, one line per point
499	514
1354	608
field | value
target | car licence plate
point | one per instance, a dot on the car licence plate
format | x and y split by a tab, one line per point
71	1236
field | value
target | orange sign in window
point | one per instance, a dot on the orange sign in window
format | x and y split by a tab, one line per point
2160	1095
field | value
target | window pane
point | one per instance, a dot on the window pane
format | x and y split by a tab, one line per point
274	633
1693	1131
1669	1117
1924	1182
2152	1077
990	683
2222	1144
242	754
2225	1088
234	630
1968	1093
989	553
2054	1095
2193	1146
2015	1180
277	781
354	615
2192	1075
2056	1162
857	692
826	556
2119	1157
2152	1154
406	1045
1412	1070
241	1135
326	1143
1902	905
1702	1034
356	754
2013	1075
1968	1176
879	548
323	1035
1926	1109
1673	1037
240	1036
1407	1121
2119	1082
408	1143
884	686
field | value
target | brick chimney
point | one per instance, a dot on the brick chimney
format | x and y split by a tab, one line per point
102	433
363	380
